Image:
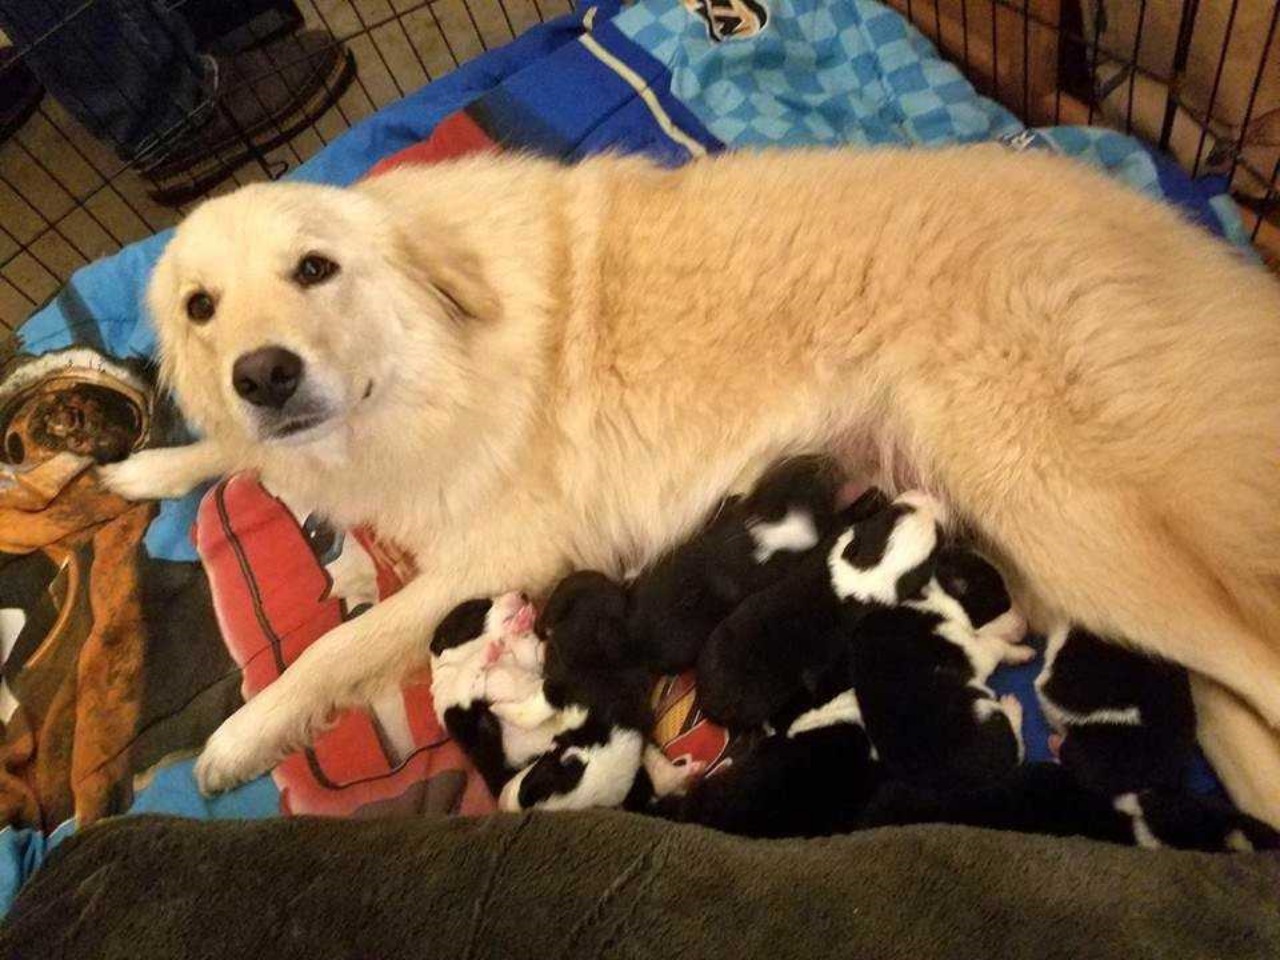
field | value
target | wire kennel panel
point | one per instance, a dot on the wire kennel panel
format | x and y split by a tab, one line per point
66	198
1199	78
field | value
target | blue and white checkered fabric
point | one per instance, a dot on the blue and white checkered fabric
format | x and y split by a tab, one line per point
856	72
844	72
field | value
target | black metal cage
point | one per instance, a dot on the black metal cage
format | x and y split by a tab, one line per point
1199	78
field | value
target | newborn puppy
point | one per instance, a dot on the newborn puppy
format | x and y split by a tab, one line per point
485	652
815	770
1126	720
596	694
811	776
749	543
1046	798
921	671
779	643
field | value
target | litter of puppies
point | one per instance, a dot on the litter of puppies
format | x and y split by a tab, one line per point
856	644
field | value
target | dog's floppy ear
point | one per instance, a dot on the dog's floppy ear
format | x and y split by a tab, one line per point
439	261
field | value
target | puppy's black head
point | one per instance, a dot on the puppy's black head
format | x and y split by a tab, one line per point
974	582
871	536
464	623
584	621
870	502
807	482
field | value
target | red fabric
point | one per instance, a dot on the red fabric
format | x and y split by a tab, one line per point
681	729
273	597
453	137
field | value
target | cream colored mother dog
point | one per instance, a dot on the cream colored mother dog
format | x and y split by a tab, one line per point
515	367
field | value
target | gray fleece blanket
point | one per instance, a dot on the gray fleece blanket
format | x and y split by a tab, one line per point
610	884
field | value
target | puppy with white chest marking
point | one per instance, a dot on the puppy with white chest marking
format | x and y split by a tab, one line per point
1126	721
445	346
552	731
484	653
779	644
810	779
921	671
749	543
597	693
810	775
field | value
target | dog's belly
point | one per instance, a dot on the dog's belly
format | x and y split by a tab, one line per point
648	512
872	457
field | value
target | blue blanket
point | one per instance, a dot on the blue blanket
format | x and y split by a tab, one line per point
658	79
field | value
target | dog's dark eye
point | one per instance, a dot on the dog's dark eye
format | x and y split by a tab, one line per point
313	269
325	542
200	307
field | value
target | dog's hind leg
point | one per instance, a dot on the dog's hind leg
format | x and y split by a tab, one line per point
1107	559
1244	751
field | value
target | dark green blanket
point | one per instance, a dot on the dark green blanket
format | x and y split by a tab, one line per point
609	884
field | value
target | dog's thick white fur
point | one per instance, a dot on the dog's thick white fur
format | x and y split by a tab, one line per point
526	367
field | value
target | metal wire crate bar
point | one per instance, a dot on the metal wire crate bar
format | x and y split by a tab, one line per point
1198	78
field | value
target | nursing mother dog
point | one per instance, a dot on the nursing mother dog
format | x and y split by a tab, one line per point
515	368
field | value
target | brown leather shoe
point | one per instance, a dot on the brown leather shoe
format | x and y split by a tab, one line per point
262	98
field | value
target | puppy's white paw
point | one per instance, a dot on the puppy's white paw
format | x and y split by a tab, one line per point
1009	628
1021	653
1012	708
148	475
669	777
509	798
527	714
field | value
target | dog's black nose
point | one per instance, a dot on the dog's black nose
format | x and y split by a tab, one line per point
267	377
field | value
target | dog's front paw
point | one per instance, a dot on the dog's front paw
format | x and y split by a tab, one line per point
147	475
239	750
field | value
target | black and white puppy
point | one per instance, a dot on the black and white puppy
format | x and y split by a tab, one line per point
1046	798
485	651
813	770
595	691
921	670
776	647
782	659
750	543
1126	720
813	783
810	774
